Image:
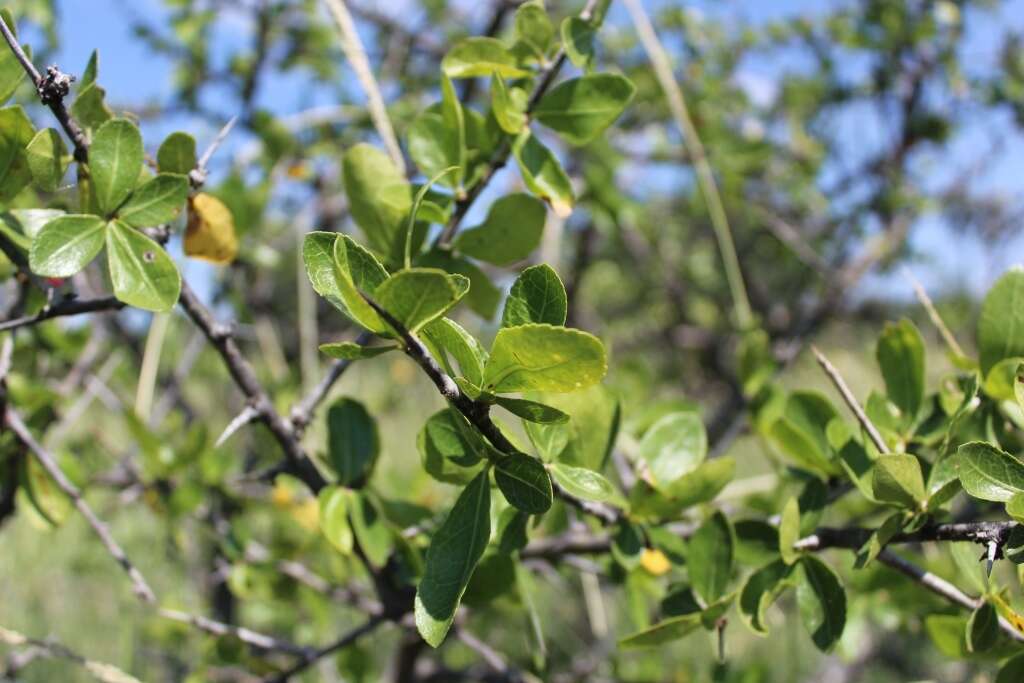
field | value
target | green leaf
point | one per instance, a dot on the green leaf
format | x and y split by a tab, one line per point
532	411
338	269
177	154
1015	507
709	557
543	173
855	461
1001	325
537	296
417	202
483	297
433	143
451	338
16	132
92	69
543	358
510	233
370	528
1014	547
11	70
581	108
155	202
380	198
141	272
27	222
454	551
800	432
982	628
703	483
508	106
66	245
989	473
822	602
418	295
353	351
674	446
586	484
480	56
627	544
115	160
947	633
90	107
594	416
450	448
879	538
454	120
761	589
524	482
47	159
665	631
1002	378
897	479
42	492
352	442
534	28
511	534
1012	671
578	41
789	531
900	354
333	502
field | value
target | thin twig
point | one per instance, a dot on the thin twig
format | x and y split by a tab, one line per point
49	463
354	51
313	656
197	176
850	400
106	673
248	414
248	636
491	656
791	237
941	587
302	412
64	308
933	313
705	176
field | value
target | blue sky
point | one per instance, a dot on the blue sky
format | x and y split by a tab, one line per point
132	75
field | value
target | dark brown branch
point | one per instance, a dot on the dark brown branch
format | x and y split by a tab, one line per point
64	308
851	538
221	338
854	537
52	89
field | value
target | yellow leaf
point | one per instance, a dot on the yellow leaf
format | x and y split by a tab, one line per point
654	561
307	514
281	495
211	230
1008	613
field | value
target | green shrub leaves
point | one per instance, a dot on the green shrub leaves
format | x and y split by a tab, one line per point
454	551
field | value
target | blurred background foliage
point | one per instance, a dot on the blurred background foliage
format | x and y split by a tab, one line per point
849	139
